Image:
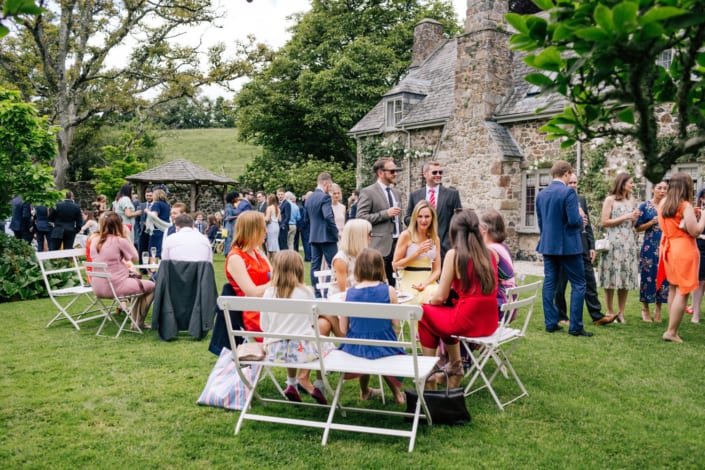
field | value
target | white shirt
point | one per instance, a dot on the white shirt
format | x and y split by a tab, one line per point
395	203
286	323
187	244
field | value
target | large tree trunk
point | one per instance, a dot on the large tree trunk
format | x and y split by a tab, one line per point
67	115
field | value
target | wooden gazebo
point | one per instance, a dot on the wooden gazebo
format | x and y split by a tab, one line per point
179	172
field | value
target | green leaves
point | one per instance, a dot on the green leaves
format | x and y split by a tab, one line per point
658	13
20	7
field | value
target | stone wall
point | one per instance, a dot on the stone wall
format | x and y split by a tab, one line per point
211	198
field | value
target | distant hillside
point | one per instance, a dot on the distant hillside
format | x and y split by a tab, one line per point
215	149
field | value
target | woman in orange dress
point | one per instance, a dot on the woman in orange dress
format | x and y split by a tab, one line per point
679	257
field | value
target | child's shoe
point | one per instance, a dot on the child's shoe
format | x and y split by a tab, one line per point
292	394
318	395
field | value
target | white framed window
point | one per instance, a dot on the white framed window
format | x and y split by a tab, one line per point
695	170
532	184
665	58
395	112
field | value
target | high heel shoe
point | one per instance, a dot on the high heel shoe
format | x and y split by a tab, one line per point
620	318
456	372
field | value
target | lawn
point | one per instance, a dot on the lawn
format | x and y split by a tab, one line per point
620	399
215	149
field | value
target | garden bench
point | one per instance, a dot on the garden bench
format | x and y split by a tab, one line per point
411	366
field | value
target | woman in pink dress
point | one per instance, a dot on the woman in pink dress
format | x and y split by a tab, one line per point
113	248
470	271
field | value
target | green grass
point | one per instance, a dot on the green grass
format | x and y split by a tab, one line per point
215	149
620	399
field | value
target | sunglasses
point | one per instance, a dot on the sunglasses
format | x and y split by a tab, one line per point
392	171
437	172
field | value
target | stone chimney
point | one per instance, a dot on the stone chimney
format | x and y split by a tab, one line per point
428	35
485	14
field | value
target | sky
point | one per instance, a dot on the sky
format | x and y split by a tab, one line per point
265	19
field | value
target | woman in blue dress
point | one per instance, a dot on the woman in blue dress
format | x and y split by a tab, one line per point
162	210
370	286
229	220
648	258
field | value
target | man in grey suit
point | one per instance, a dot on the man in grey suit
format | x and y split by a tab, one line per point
379	204
445	200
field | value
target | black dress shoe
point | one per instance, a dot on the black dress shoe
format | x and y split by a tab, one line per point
553	329
581	333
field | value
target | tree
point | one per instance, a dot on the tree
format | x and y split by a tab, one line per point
120	163
59	56
15	8
27	147
608	59
342	57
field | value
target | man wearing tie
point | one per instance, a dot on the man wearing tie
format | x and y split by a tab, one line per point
379	205
445	200
560	243
285	211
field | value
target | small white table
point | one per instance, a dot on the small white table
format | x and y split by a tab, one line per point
150	267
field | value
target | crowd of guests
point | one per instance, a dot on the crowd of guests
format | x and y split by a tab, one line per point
665	266
374	256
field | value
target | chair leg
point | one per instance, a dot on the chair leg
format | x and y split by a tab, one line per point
333	406
248	402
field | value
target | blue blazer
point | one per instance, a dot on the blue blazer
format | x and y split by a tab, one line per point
320	218
559	221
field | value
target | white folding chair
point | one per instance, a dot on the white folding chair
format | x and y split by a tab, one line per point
116	303
66	292
324	279
501	344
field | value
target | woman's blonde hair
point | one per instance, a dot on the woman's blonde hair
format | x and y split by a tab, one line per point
356	237
249	229
432	230
287	273
158	195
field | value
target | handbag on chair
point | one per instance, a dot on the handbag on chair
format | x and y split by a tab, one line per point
445	406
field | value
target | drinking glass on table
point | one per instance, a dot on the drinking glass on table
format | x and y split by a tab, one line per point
145	257
153	251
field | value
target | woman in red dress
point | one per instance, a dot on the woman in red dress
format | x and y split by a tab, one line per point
470	270
248	271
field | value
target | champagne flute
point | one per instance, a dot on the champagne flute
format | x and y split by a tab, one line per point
145	257
153	251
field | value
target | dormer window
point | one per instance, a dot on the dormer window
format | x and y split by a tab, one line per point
398	106
395	111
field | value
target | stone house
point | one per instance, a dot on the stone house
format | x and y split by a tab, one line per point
465	102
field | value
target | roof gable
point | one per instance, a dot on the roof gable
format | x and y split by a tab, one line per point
179	171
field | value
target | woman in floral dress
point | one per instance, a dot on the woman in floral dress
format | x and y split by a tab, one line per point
619	266
648	258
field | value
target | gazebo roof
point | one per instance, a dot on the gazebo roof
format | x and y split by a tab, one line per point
178	171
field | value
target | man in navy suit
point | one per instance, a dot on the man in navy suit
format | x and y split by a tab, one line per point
560	243
323	233
285	211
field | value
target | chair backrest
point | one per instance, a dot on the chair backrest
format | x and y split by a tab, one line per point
524	296
324	279
311	310
45	258
100	271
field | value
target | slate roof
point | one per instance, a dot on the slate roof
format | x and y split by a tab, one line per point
504	140
179	171
434	78
524	103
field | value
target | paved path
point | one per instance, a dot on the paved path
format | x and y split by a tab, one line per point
532	268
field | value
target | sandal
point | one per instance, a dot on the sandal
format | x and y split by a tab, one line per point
689	310
456	372
371	393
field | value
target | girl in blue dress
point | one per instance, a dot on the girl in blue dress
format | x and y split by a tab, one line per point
370	286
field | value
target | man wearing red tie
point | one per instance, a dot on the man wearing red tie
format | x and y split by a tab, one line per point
445	200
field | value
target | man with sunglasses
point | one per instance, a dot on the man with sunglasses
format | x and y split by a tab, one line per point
445	200
379	204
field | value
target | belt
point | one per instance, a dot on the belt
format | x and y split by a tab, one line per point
417	268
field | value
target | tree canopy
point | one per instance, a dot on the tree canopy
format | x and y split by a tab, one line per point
27	147
342	57
58	58
617	62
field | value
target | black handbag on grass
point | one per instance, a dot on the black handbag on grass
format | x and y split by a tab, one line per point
445	406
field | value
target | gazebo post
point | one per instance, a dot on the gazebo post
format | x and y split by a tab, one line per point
194	196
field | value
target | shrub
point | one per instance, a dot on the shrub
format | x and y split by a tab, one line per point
20	276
